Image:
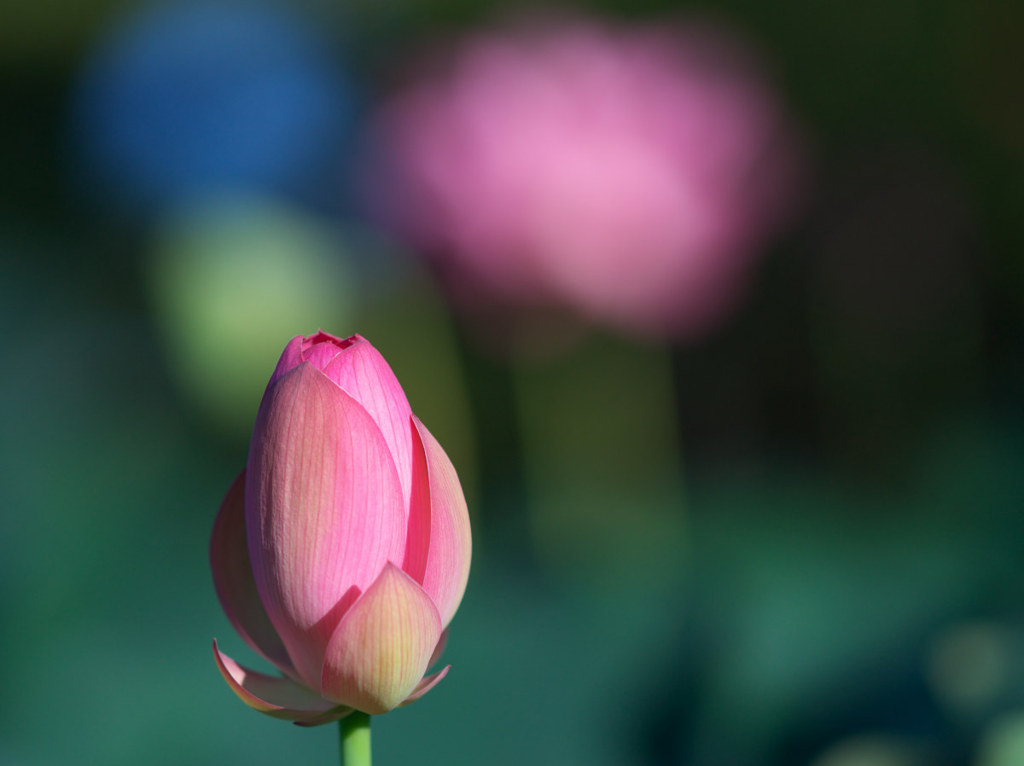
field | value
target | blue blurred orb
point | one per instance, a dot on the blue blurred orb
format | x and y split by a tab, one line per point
183	98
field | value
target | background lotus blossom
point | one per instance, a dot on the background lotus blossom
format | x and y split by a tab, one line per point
342	552
630	174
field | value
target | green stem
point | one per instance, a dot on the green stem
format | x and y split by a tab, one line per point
355	739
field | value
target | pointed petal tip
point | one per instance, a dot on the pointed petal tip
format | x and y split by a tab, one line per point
426	685
276	697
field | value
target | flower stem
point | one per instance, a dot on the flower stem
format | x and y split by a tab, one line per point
355	739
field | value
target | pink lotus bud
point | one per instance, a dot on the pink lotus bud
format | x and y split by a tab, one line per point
342	551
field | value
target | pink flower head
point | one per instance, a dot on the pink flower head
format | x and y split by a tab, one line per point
342	551
631	175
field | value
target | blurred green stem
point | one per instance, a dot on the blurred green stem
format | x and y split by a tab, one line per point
598	429
355	739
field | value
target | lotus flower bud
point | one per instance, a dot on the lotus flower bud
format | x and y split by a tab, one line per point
342	551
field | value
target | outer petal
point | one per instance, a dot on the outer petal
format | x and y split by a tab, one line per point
234	583
439	649
426	685
417	536
383	645
324	510
450	549
363	373
335	714
291	358
277	697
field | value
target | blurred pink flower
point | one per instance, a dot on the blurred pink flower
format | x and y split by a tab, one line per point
631	175
342	551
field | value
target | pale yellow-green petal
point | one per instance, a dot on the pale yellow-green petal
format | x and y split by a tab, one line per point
383	646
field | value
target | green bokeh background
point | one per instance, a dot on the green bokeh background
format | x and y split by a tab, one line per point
796	541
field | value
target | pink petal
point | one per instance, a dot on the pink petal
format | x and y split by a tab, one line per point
329	717
277	697
439	649
321	349
417	536
324	510
312	349
426	685
364	374
234	583
382	647
291	358
450	550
